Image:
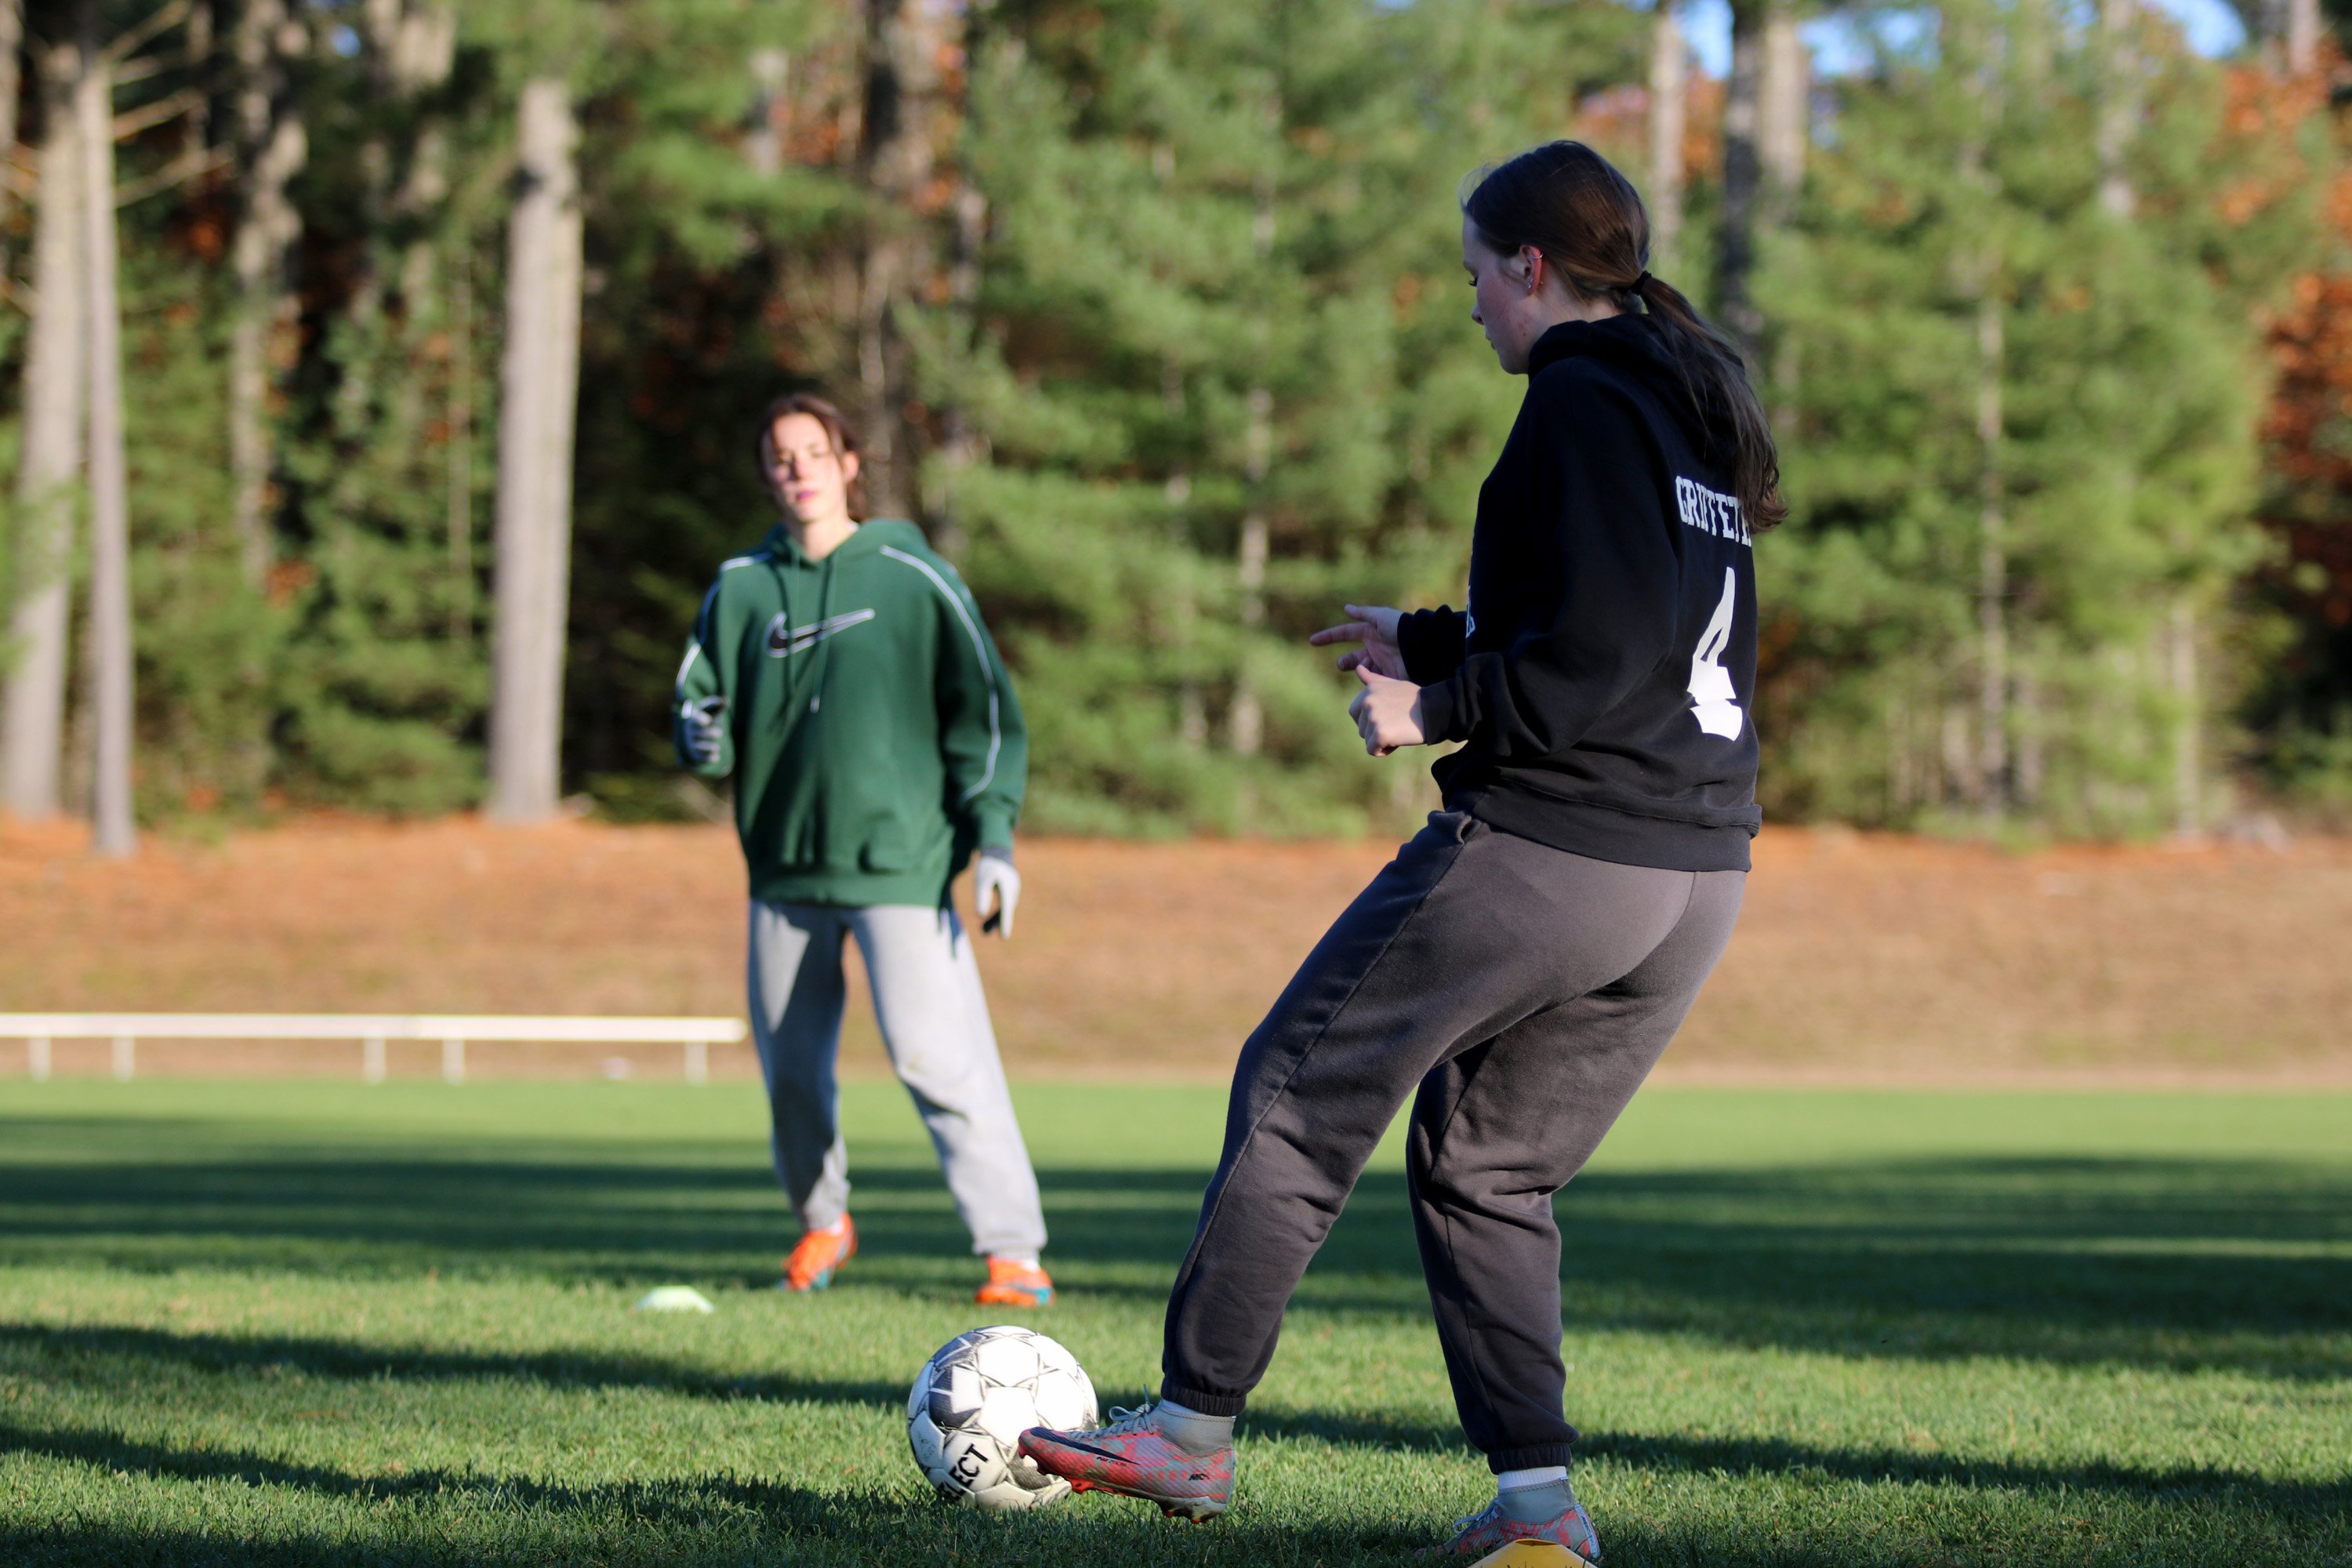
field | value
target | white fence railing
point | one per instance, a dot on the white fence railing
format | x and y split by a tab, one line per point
373	1033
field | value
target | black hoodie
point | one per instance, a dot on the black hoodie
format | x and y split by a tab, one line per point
1602	670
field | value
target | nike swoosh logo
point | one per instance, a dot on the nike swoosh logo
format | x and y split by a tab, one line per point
785	641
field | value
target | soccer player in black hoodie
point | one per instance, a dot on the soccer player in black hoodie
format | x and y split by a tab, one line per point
1522	963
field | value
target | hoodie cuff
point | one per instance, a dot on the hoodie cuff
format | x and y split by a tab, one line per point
1420	634
994	827
1441	711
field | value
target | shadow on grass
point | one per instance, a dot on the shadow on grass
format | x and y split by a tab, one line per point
361	1362
710	1518
1668	1453
169	1353
2204	1485
2177	1263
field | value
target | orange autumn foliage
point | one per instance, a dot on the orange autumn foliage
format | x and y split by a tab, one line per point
2307	428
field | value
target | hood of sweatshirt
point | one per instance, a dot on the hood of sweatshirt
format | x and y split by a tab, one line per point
1636	346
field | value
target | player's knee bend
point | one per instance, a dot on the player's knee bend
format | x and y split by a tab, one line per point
942	1082
1437	1180
1464	1183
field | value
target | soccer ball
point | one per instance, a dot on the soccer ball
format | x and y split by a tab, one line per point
972	1401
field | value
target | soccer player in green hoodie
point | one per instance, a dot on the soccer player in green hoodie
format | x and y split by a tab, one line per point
841	673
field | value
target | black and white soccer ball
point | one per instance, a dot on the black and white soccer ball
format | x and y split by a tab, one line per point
972	1401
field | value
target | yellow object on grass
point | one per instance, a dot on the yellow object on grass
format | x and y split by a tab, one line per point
1532	1554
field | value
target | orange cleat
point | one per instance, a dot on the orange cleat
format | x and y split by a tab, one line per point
818	1254
1012	1283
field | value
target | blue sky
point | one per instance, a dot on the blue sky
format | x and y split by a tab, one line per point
2212	27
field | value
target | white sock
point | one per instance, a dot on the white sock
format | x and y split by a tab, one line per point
1512	1481
1026	1260
836	1229
1189	1431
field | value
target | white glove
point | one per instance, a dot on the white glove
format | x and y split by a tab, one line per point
994	874
702	719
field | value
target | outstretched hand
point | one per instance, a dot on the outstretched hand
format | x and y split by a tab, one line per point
1386	713
1375	627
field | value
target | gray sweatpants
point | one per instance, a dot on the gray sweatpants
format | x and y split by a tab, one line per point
934	1020
1526	992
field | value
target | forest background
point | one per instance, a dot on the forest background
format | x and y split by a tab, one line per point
374	445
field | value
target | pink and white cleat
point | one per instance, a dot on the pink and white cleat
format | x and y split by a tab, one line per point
1132	1457
1490	1530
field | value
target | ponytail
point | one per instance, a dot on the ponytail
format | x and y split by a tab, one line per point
1717	379
1572	204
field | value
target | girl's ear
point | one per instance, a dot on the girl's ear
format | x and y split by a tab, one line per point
849	468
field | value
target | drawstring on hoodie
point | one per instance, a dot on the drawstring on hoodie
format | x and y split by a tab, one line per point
824	609
823	614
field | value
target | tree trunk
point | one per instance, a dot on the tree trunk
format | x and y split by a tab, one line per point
1669	101
538	393
1184	605
2187	735
423	43
410	49
1783	130
12	47
54	402
1783	123
1743	175
905	43
421	52
460	498
1246	717
1184	608
960	443
1961	778
197	125
2118	106
1978	53
2025	706
763	132
110	501
273	148
2303	28
1992	552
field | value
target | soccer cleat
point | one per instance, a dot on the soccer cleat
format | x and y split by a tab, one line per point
1012	1283
1132	1457
1566	1540
819	1253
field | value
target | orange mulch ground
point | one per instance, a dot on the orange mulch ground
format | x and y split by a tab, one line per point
1859	958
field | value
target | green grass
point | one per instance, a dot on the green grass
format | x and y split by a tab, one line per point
317	1323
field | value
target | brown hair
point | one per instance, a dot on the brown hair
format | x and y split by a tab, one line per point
836	430
1588	220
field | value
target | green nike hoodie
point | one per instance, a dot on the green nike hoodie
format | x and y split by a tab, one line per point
870	725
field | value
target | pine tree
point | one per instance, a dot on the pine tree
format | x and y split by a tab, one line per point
2035	440
2300	697
385	689
1219	387
714	291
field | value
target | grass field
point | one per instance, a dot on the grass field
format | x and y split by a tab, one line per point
268	1323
